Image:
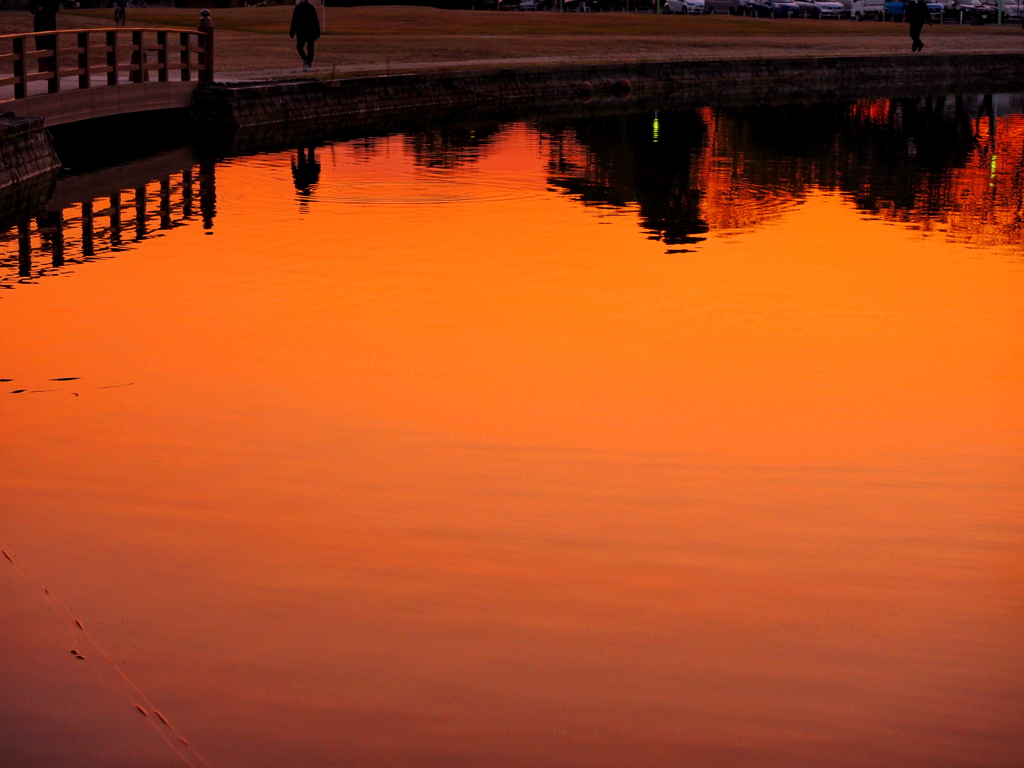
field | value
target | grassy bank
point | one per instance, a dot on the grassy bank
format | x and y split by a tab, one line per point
253	42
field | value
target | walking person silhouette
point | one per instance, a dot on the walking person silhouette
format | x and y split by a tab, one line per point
917	14
306	31
44	20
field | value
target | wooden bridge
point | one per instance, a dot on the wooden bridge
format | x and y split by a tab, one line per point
69	75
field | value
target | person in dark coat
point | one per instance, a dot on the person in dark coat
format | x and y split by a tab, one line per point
44	20
917	15
306	31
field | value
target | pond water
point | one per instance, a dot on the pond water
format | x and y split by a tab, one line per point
689	438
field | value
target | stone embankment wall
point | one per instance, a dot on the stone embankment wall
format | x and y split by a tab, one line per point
350	102
28	164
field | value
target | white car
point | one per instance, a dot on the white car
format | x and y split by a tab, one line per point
684	6
868	9
829	9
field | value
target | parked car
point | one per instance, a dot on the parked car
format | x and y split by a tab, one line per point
734	7
894	10
820	9
720	6
1012	11
684	6
829	9
868	9
518	5
968	12
773	8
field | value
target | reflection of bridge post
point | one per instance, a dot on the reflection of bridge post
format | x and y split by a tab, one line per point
165	203
24	249
88	248
115	218
986	106
55	221
140	212
186	193
80	205
207	192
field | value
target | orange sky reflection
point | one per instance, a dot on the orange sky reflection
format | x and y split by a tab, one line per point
443	467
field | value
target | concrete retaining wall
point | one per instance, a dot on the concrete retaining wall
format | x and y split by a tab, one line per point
28	164
250	106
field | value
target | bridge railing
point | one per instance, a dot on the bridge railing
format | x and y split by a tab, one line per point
72	59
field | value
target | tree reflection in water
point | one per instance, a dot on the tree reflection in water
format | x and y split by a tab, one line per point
930	162
452	147
952	165
633	159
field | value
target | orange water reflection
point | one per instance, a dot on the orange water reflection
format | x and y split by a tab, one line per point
440	466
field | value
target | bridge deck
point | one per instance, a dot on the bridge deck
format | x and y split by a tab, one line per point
101	100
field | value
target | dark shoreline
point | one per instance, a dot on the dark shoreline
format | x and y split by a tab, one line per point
238	116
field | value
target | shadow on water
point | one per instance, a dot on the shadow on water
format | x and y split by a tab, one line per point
123	139
953	165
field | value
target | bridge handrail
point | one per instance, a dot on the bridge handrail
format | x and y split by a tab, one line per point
96	29
189	54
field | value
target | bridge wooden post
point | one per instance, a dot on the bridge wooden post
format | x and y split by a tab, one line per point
113	52
53	81
84	61
20	70
161	56
139	73
186	55
206	27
